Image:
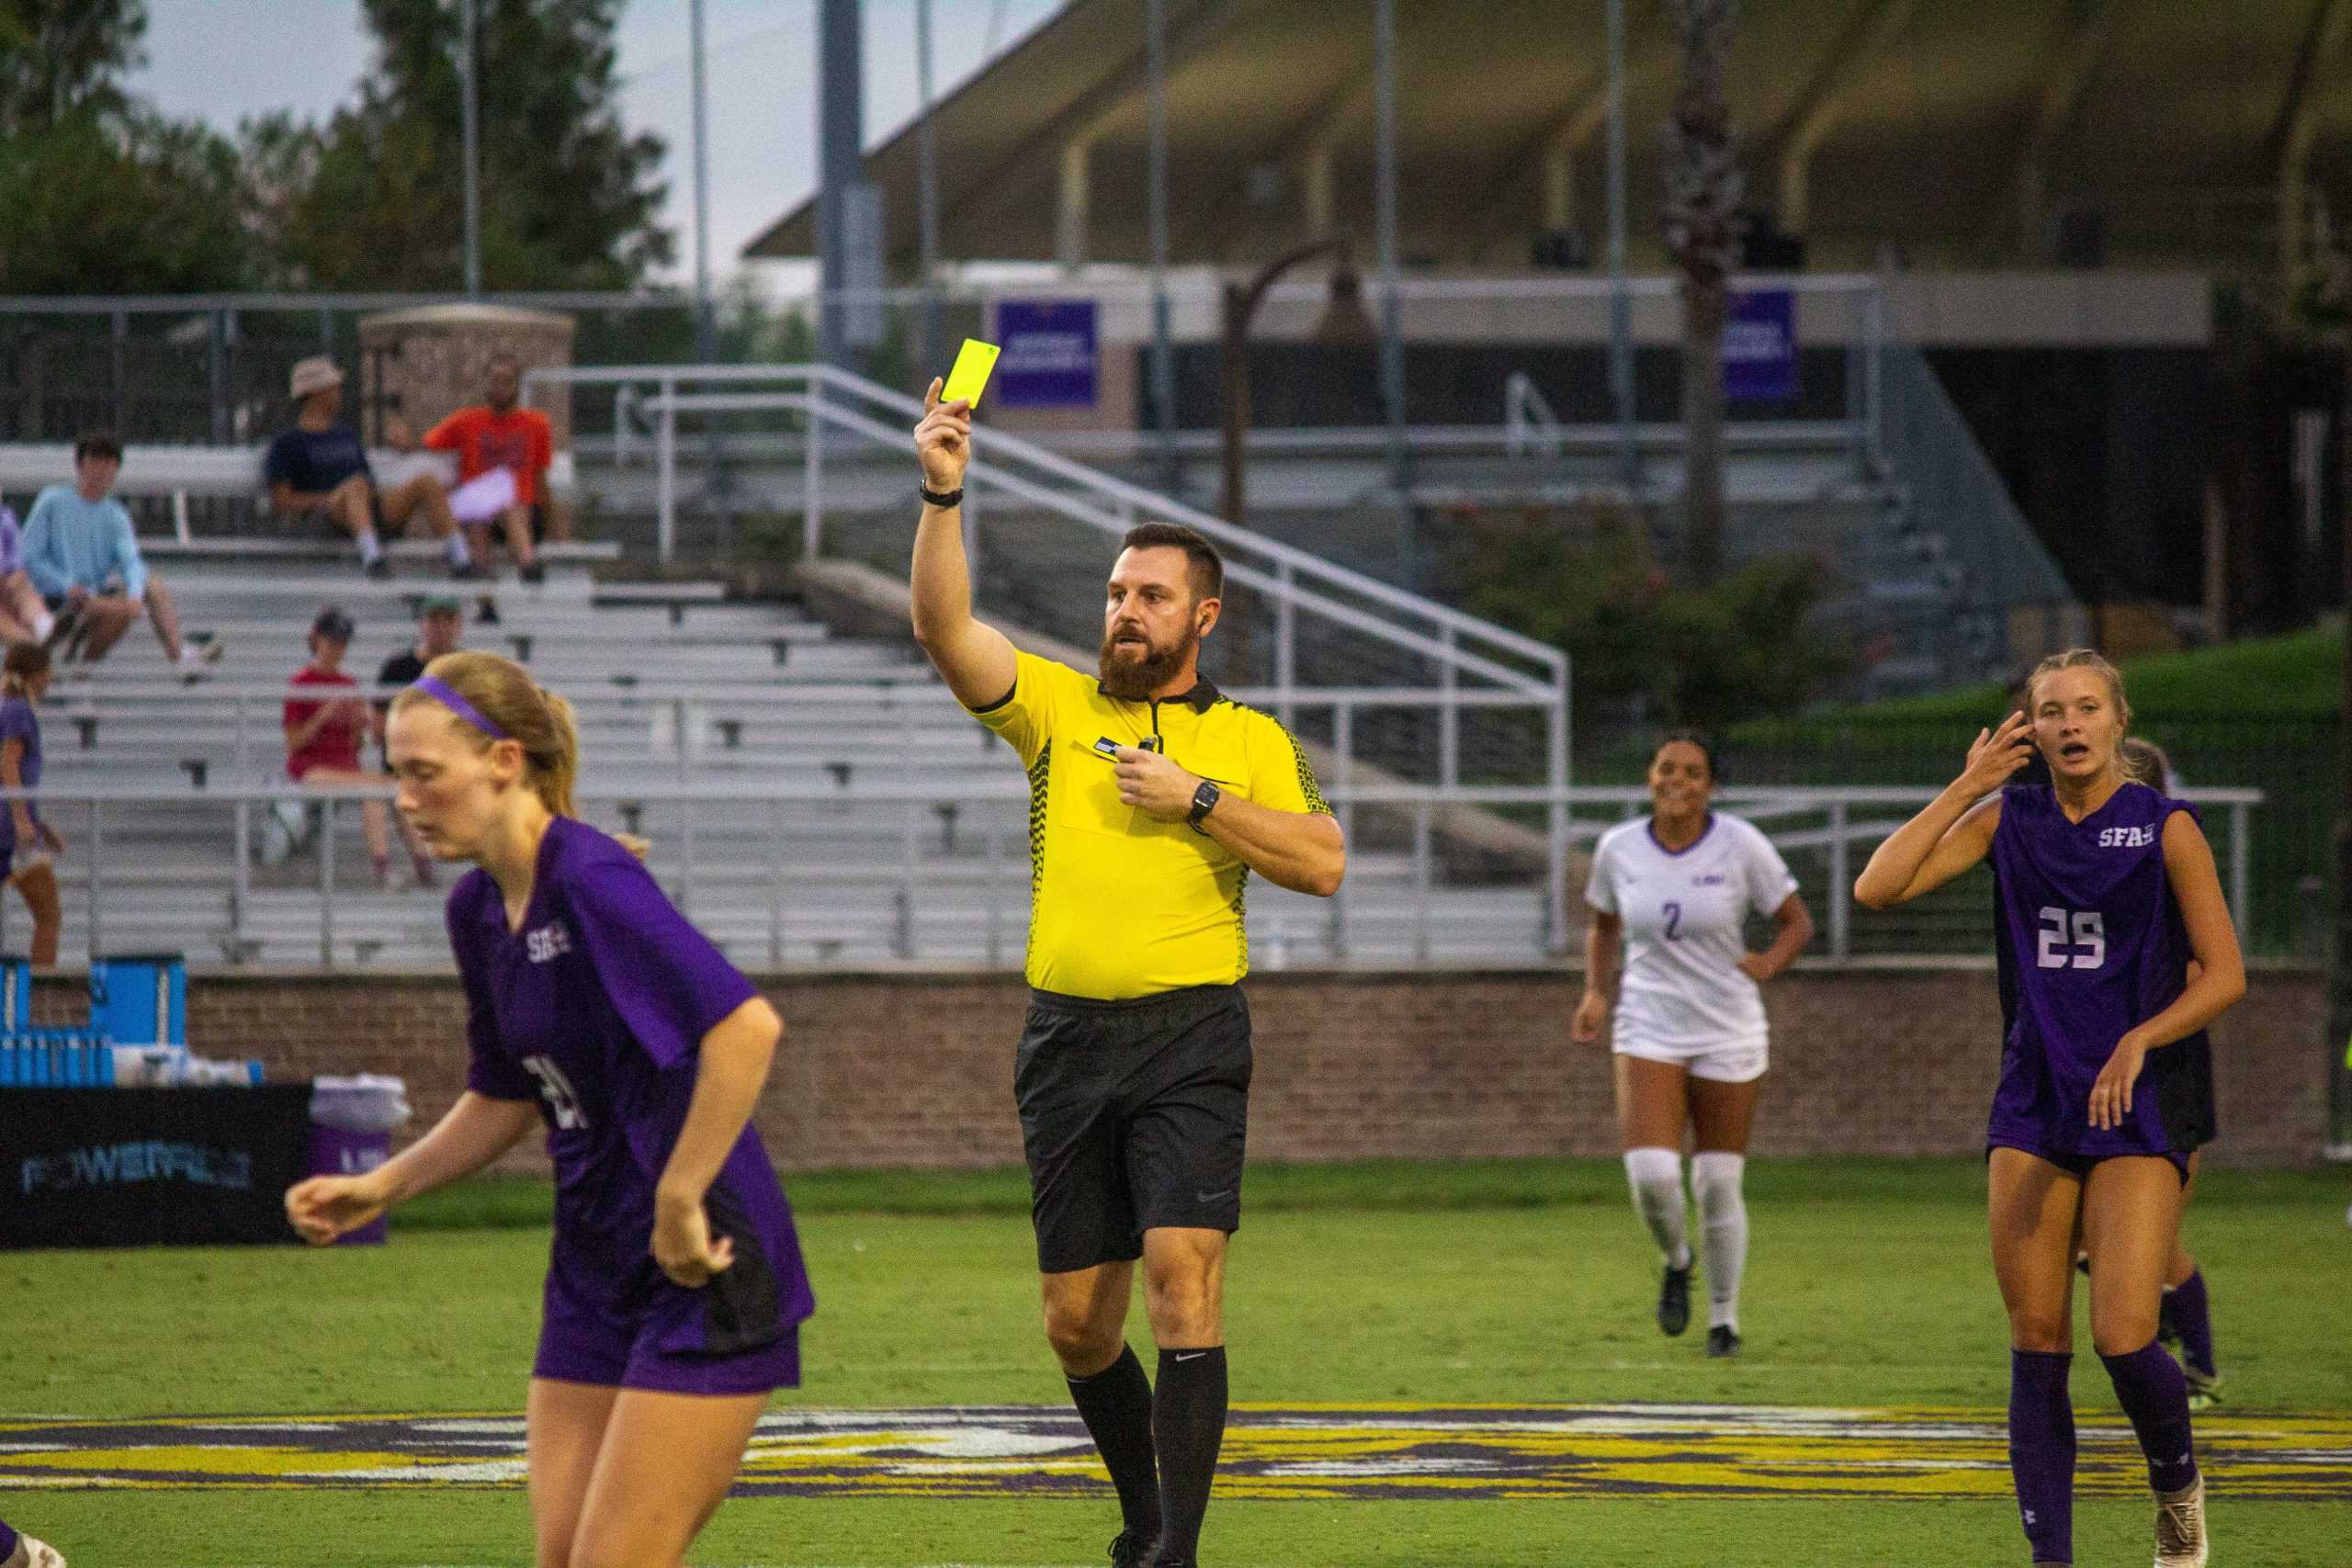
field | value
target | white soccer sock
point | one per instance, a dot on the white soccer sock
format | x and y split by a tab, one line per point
43	623
1656	1177
1722	1215
369	550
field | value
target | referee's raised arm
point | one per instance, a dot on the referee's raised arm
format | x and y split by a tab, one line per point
975	659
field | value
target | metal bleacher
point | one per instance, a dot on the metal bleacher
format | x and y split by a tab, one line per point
811	798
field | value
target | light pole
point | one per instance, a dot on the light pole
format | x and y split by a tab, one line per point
469	122
705	325
1392	346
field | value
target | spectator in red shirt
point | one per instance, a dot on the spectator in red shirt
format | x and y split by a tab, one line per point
498	434
323	737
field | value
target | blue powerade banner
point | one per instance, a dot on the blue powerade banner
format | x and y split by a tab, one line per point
1760	347
1049	358
150	1167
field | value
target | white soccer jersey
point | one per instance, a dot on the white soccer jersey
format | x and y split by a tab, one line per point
1682	990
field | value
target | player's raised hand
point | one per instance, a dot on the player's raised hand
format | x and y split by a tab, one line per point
684	1247
326	1207
943	439
1997	754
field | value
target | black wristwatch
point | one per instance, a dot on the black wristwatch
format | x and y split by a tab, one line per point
932	498
1205	801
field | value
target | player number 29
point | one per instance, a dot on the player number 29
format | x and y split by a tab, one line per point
558	1091
2089	949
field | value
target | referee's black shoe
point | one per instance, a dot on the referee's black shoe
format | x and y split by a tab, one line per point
1674	1300
1133	1550
1723	1341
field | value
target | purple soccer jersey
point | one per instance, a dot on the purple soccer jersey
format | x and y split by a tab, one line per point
595	1010
2098	948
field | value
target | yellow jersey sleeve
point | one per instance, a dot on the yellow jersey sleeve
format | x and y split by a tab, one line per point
1279	777
1024	716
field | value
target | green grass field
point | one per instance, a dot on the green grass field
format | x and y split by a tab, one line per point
1510	1284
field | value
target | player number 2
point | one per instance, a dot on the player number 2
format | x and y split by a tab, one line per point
2089	949
559	1092
1674	922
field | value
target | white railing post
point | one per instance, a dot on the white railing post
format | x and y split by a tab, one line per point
1343	740
326	882
1422	881
240	891
665	475
812	494
686	854
1285	641
1448	714
1556	823
775	886
2240	851
1841	885
97	855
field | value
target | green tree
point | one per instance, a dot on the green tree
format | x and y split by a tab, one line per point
97	193
1638	642
375	199
59	56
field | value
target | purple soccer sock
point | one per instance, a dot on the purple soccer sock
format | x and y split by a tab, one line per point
2155	1395
7	1542
2192	1316
2041	1452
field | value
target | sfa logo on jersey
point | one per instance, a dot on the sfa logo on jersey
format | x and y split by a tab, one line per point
2126	837
547	943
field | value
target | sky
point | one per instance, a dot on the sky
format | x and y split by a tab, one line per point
222	60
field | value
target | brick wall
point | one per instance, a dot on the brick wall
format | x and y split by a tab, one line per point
915	1069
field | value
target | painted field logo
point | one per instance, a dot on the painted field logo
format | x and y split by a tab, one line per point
1288	1453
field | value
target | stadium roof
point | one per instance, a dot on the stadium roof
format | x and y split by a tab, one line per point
1960	134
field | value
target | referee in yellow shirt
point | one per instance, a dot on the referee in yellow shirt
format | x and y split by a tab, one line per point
1152	798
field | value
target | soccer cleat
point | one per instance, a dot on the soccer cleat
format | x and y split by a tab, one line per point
1133	1550
1674	1301
1723	1341
2180	1526
535	573
39	1553
2204	1388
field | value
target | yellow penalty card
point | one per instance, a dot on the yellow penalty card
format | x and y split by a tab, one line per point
973	363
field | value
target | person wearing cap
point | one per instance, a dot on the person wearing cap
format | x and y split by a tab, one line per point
322	737
440	618
319	469
82	556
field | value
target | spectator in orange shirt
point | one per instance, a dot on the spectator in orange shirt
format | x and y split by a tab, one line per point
499	434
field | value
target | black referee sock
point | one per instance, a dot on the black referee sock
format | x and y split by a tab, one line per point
1188	1417
1115	1404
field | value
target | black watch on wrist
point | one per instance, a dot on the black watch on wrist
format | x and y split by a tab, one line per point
934	498
1205	801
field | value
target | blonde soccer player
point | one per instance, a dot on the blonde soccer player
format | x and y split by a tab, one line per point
675	1287
2109	896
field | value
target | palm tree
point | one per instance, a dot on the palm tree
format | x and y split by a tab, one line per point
1702	187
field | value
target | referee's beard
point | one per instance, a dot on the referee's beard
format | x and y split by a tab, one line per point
1132	672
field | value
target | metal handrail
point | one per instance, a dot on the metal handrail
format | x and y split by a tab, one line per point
1135	497
1526	409
912	875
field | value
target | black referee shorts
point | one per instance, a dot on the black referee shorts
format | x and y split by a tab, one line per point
1133	1115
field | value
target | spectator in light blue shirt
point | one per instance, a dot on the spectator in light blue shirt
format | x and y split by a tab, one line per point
83	559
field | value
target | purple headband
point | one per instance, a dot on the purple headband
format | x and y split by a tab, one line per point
440	691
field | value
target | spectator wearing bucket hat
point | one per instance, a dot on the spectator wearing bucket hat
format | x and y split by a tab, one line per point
322	736
319	469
